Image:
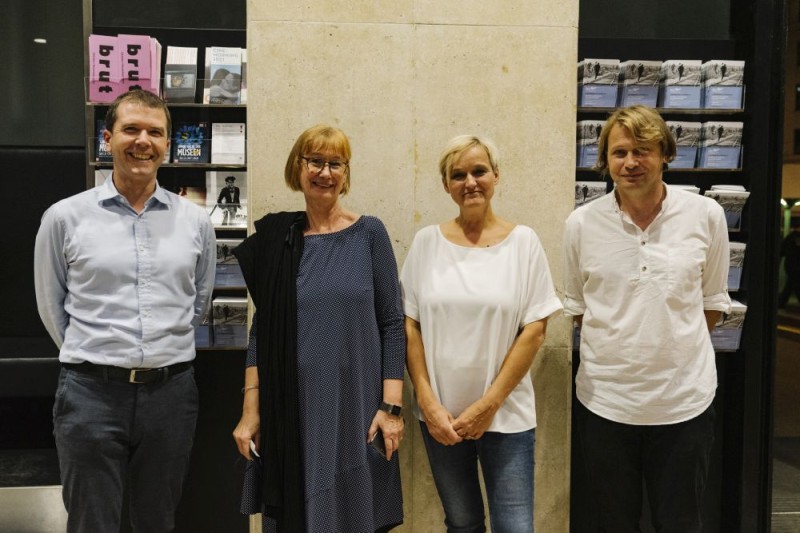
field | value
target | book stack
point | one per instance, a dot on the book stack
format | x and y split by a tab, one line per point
688	188
223	83
720	145
228	273
587	191
598	82
588	135
229	322
639	80
732	198
737	250
180	74
120	63
723	84
727	334
680	83
687	141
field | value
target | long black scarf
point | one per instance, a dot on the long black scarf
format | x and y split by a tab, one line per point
269	260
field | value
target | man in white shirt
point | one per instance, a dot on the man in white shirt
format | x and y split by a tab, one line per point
646	278
123	273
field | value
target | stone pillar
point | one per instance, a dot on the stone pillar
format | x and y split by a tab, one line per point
401	78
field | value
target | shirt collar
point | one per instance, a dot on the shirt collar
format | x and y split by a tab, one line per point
108	191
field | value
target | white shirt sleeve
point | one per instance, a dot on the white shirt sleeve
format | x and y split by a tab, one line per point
50	275
715	273
574	304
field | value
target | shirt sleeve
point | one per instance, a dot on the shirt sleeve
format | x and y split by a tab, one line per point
541	298
715	273
205	270
408	280
574	304
50	275
388	305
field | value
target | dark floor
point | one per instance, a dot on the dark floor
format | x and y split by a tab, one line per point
786	442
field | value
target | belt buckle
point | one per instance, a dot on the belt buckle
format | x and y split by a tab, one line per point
132	376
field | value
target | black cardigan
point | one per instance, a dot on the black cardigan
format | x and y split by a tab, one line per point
269	260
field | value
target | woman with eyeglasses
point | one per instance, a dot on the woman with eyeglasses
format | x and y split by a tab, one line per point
477	293
324	378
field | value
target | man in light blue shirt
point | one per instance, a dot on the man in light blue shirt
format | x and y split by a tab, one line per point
123	273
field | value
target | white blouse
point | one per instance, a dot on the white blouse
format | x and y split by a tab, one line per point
471	304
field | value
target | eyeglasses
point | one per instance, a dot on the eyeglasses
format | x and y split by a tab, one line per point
315	165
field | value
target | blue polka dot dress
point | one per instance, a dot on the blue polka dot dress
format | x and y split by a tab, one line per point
350	338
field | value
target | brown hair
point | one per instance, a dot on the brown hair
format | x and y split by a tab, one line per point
138	96
321	137
646	126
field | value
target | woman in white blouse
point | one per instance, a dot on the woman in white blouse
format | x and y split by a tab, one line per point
477	293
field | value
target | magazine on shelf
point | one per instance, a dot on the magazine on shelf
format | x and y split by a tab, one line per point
226	198
720	145
723	84
141	62
228	143
229	322
243	92
191	143
727	334
680	83
102	149
228	272
587	137
732	198
587	191
223	72
687	141
105	68
737	250
180	74
686	187
640	81
598	80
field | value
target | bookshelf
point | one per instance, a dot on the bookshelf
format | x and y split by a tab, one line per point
210	501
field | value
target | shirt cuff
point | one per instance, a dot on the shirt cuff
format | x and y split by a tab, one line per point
717	302
574	307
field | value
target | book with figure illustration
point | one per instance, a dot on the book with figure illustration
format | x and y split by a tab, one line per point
720	145
723	84
588	191
732	198
680	83
639	81
737	250
226	198
587	137
102	149
229	322
598	81
229	274
687	143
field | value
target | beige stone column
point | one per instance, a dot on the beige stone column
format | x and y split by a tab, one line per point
401	78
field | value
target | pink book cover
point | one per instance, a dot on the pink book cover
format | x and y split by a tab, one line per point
155	64
136	68
105	68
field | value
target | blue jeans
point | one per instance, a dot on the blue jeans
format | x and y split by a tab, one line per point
506	460
110	434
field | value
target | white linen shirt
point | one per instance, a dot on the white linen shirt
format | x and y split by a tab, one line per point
471	304
646	354
117	287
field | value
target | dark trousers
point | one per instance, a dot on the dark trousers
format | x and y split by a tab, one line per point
672	460
110	434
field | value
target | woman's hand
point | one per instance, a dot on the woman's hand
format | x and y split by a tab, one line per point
440	424
246	430
475	420
393	429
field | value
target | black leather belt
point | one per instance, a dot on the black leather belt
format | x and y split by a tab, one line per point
129	375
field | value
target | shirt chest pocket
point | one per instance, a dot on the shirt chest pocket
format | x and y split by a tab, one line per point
685	266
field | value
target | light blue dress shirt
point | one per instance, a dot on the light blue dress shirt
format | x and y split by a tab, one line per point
117	287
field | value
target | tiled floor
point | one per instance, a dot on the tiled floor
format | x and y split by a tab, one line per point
32	510
786	443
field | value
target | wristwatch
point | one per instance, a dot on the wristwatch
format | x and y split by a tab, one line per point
394	410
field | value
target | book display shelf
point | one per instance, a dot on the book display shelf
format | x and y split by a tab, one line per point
747	184
207	164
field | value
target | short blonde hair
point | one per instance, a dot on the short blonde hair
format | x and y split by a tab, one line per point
321	137
460	144
646	126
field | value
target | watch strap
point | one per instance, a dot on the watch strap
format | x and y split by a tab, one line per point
394	410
